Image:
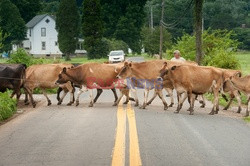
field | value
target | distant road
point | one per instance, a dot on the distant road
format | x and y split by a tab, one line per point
135	59
127	135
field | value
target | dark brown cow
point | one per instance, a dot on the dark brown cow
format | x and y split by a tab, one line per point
12	76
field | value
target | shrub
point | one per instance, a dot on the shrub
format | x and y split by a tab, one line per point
243	36
218	48
20	56
7	106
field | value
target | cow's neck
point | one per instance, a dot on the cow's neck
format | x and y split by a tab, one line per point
73	74
238	83
138	74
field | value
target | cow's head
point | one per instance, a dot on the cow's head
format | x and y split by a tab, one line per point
63	77
163	72
126	71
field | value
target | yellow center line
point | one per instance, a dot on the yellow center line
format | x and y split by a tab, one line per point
118	157
134	151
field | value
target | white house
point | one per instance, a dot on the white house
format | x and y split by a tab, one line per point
42	38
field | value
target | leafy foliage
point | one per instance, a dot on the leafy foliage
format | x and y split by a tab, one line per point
67	25
92	28
218	47
243	36
27	8
20	57
117	45
151	40
7	106
12	24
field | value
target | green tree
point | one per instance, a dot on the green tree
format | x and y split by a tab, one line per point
27	8
151	40
92	28
67	25
12	24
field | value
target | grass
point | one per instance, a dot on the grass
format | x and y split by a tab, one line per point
246	119
244	58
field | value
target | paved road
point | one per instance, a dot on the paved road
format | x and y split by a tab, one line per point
124	135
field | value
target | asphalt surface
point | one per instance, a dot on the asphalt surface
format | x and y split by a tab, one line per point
107	135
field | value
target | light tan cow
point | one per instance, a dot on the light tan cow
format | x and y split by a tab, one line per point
242	84
44	77
92	76
143	76
228	88
189	80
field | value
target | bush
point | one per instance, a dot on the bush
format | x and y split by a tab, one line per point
7	106
20	57
218	48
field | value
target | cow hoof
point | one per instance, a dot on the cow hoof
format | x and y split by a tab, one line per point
176	112
191	113
136	104
239	110
148	103
91	105
142	107
216	112
202	106
59	103
171	105
211	113
125	102
226	109
26	103
69	104
34	105
77	103
165	107
115	104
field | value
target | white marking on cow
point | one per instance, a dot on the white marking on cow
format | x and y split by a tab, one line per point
91	70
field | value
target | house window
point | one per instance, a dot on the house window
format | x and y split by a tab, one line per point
43	45
43	32
56	43
47	21
30	32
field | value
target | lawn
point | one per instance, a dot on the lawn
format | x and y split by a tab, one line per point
244	58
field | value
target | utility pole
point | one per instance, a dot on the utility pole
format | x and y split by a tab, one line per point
161	28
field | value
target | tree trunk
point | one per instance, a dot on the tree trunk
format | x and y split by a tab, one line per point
67	57
198	29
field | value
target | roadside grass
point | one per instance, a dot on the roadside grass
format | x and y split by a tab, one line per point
244	58
246	119
8	106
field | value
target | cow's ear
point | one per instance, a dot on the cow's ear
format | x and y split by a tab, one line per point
165	63
60	76
130	64
64	70
173	68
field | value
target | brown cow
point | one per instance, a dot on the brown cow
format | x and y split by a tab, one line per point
228	88
242	84
143	75
189	79
91	75
44	77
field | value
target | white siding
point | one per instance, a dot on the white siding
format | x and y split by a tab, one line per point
51	37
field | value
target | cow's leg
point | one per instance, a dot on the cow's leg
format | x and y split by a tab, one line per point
30	93
59	90
154	96
26	100
215	102
170	92
181	99
126	93
192	100
99	92
45	94
119	98
61	99
135	96
78	96
202	101
237	96
229	103
162	99
146	92
115	94
248	106
91	98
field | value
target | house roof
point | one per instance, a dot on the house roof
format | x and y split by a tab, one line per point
37	19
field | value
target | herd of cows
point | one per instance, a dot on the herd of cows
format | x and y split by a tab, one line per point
188	79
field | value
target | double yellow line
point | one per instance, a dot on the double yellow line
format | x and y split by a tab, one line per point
118	157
